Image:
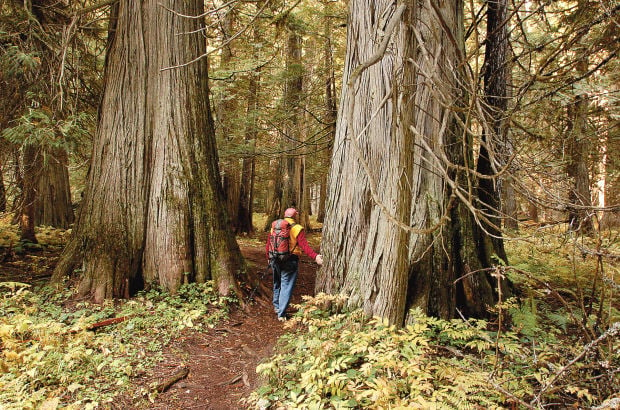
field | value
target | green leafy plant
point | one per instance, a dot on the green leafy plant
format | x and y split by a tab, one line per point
342	359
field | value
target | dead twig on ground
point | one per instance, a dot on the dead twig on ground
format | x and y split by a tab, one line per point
180	374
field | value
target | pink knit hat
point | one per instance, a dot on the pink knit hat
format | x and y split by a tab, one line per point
290	213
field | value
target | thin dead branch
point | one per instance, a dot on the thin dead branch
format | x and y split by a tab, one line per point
180	374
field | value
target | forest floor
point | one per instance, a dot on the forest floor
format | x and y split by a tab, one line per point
221	362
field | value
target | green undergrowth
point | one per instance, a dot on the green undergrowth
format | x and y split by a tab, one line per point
344	360
47	236
557	345
49	359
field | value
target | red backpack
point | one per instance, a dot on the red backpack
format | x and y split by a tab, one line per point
279	240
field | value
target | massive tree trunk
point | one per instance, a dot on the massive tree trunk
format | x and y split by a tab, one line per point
398	231
153	210
53	200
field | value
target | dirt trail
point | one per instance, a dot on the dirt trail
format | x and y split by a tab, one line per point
222	362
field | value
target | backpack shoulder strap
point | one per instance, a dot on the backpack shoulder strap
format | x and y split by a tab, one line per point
295	229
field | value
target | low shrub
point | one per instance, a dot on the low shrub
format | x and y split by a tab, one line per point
341	359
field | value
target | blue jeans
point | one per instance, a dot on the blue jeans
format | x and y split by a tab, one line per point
284	278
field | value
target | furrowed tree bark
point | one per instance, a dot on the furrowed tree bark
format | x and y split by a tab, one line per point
399	232
153	211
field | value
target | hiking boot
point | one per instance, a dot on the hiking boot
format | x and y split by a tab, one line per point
282	318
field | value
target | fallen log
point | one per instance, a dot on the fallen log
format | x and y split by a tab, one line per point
180	374
107	322
103	323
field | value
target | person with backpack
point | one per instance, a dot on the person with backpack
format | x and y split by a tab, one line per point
286	241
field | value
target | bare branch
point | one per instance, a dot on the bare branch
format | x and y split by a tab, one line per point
612	331
233	37
94	7
382	47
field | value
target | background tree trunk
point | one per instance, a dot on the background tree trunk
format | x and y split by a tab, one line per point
44	186
248	166
291	167
292	194
53	205
320	217
153	210
493	149
580	196
274	198
227	127
246	194
2	189
510	206
394	136
330	102
31	173
19	183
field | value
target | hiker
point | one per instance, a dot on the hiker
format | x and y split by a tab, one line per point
286	240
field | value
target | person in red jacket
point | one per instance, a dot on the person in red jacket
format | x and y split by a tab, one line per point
285	273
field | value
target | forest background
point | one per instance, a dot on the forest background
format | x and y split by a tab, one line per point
541	148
